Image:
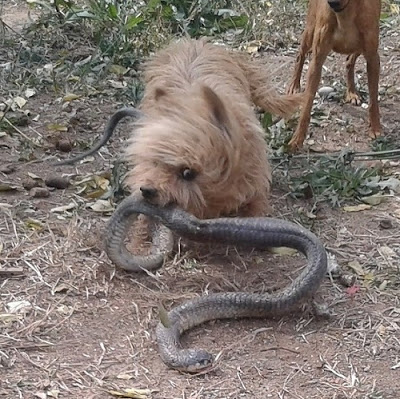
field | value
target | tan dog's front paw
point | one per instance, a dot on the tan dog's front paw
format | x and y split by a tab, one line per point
353	98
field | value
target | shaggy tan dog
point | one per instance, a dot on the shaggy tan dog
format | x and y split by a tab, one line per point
200	144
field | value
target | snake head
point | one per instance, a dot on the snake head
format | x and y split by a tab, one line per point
194	360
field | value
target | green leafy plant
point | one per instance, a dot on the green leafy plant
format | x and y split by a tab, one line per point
336	180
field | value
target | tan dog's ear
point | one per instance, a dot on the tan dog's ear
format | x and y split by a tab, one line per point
158	93
218	110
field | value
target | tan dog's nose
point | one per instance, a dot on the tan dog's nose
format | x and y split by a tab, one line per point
334	4
148	192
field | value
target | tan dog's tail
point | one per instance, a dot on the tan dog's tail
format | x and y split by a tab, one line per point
263	94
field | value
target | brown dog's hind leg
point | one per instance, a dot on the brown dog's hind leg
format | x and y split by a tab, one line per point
352	96
373	69
321	49
305	47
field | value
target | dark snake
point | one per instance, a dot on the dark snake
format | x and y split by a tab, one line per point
258	233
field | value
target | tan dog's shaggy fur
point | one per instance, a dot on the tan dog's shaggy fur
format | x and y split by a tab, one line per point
200	144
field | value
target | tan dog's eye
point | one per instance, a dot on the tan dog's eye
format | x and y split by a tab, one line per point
188	174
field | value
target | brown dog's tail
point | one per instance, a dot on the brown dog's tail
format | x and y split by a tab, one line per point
282	105
263	93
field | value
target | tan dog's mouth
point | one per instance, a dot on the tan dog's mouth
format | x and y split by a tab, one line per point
152	196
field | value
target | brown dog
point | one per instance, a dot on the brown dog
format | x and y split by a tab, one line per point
200	144
347	27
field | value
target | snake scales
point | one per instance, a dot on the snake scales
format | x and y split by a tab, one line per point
257	233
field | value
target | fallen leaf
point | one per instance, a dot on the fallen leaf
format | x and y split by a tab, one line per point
117	85
64	310
33	176
387	252
132	393
381	330
53	393
392	183
395	8
118	69
34	224
30	93
5	207
101	206
383	285
124	376
355	265
96	194
356	208
55	127
18	306
64	208
61	288
7	187
20	101
163	316
375	199
102	182
333	265
258	260
70	97
397	213
368	279
8	318
282	251
252	49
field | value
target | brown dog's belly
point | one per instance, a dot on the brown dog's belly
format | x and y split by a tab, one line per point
346	41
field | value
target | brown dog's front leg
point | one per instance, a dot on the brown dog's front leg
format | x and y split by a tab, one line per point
373	69
320	52
351	94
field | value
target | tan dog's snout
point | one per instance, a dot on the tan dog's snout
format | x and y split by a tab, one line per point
335	5
148	192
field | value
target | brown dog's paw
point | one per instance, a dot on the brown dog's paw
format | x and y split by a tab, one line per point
375	133
293	88
295	144
353	98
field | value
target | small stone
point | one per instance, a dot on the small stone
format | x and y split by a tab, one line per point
7	169
28	184
39	192
64	145
326	91
19	119
385	224
57	182
347	280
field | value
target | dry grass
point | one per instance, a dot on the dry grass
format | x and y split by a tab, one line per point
86	327
72	326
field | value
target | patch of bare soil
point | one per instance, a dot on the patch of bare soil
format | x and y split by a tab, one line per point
16	14
73	326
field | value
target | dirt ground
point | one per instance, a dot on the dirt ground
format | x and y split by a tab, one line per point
73	326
